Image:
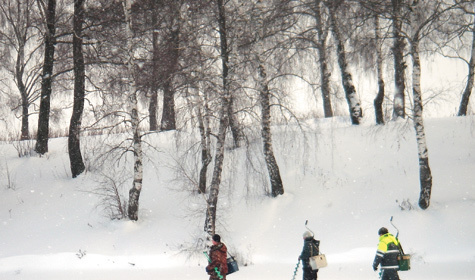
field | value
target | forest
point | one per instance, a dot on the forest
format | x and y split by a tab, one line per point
227	69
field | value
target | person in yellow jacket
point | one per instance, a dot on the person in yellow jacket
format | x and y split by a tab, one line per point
386	255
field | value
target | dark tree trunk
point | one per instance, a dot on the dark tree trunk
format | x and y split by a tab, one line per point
277	188
74	147
152	110
153	106
232	120
322	59
356	112
471	74
47	79
424	168
378	101
168	114
25	124
399	64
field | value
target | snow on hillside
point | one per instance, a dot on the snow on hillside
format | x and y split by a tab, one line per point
347	181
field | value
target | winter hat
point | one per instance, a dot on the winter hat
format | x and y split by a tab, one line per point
216	238
382	231
307	234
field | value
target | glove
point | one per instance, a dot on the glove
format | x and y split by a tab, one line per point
375	268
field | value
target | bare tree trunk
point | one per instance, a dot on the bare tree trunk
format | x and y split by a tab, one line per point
168	114
378	101
399	64
152	109
25	123
205	133
45	101
74	147
424	169
134	192
232	120
322	59
153	105
224	117
19	71
18	21
210	223
356	112
277	188
471	74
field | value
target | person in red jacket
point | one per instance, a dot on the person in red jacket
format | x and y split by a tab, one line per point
218	254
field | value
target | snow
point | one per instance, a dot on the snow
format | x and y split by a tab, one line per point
347	181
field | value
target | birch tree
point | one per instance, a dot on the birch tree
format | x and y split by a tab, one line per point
277	187
378	101
356	113
424	16
469	9
397	15
203	114
134	193
224	116
225	53
267	22
212	201
325	74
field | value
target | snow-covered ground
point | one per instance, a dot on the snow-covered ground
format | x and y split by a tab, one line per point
347	181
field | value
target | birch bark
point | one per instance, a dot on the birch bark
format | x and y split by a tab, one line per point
471	75
378	101
277	188
356	112
425	176
134	192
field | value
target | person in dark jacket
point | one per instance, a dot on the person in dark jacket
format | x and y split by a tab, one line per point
386	255
217	254
310	249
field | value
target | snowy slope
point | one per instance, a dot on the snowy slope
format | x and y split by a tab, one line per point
346	181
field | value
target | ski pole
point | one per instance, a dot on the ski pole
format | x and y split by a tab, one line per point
295	271
215	269
391	220
306	222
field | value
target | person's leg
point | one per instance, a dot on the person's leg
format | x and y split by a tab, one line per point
389	274
314	274
392	273
307	273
